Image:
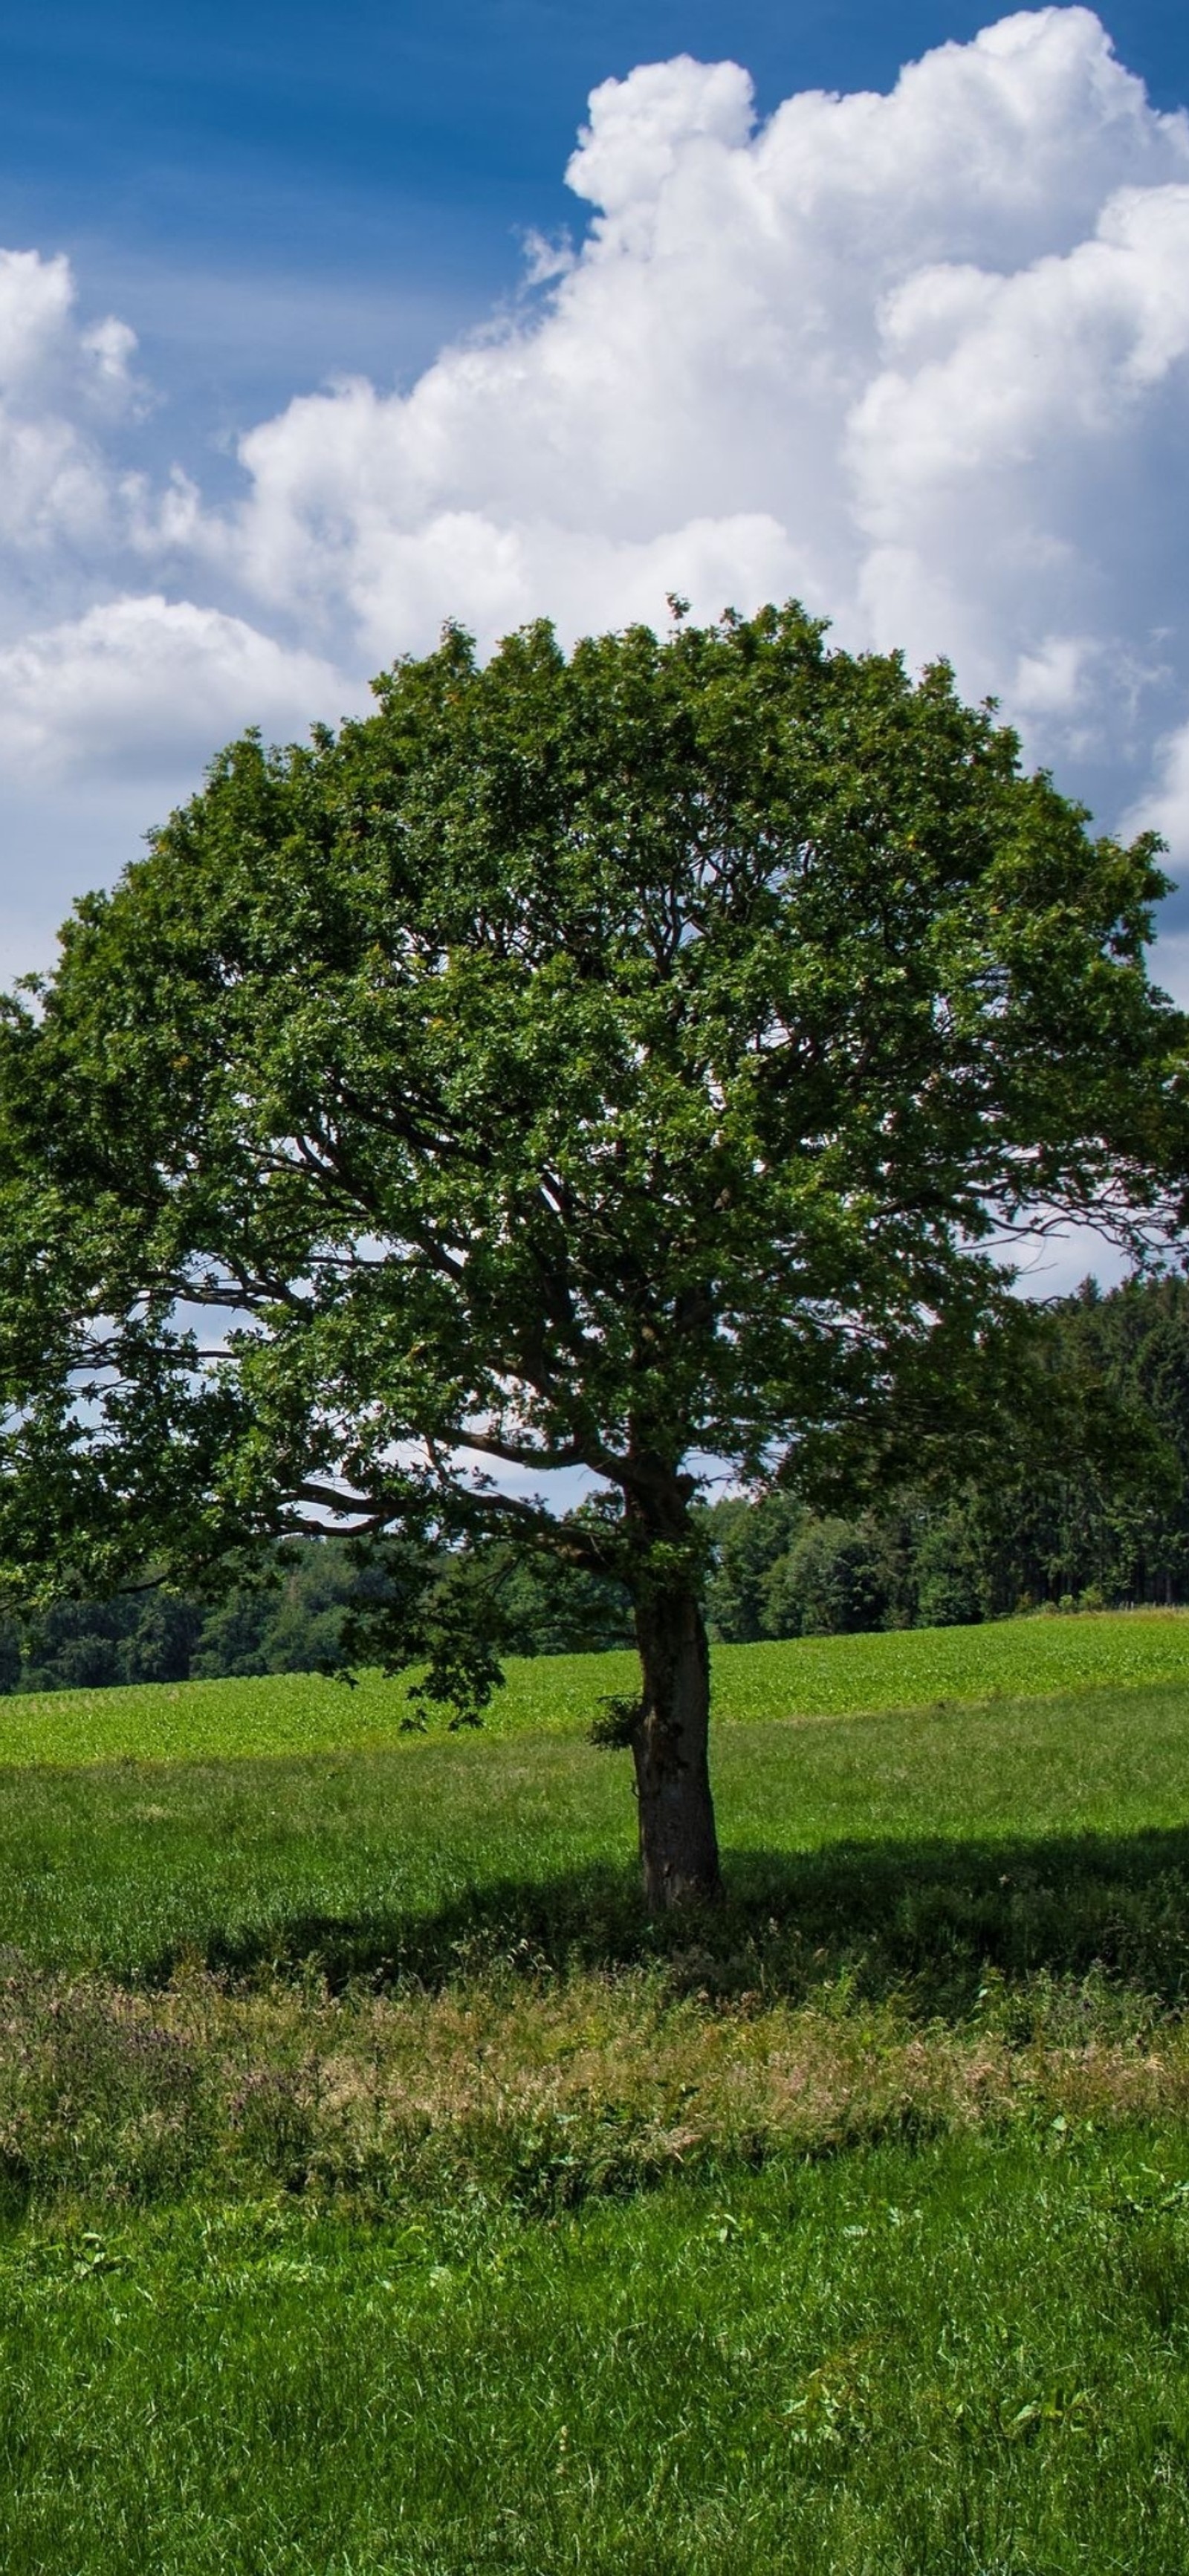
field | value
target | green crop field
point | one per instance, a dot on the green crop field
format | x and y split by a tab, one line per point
380	2191
561	1694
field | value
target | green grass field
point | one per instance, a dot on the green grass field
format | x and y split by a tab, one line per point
561	1694
380	2191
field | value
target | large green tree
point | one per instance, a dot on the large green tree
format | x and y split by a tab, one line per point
600	1063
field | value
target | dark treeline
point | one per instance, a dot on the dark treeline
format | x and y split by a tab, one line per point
1107	1526
292	1622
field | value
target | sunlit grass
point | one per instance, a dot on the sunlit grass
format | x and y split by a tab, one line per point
381	2194
372	1857
560	1694
919	2360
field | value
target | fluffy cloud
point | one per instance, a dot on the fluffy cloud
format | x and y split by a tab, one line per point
149	683
922	357
43	350
60	386
106	720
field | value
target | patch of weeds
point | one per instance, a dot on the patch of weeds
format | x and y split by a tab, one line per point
98	2094
541	2088
273	2121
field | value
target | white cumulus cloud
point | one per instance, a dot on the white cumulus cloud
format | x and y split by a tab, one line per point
923	357
60	384
149	680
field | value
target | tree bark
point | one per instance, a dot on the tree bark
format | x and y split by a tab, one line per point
678	1842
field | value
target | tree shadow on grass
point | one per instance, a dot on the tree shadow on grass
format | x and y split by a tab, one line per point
925	1920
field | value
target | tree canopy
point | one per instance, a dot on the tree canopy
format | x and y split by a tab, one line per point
609	1063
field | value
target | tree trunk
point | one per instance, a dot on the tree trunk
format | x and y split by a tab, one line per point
678	1843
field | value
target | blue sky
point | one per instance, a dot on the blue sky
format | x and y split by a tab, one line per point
284	380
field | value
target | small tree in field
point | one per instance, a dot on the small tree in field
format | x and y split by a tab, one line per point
600	1063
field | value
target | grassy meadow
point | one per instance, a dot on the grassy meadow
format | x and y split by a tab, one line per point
380	2191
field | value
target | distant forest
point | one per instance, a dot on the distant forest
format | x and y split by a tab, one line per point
1107	1527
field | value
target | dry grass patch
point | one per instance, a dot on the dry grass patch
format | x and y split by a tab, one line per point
540	2087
